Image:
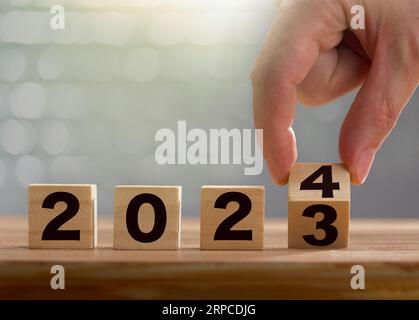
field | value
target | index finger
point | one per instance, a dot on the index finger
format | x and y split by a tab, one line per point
286	57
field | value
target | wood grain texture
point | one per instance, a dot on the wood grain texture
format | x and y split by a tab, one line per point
301	201
85	220
388	249
171	199
211	217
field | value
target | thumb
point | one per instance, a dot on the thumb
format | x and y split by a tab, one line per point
374	113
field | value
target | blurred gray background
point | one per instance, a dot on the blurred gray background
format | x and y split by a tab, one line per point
82	105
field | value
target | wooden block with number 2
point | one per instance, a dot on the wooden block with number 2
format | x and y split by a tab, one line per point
232	217
318	206
62	216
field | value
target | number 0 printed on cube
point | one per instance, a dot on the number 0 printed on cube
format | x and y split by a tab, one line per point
147	217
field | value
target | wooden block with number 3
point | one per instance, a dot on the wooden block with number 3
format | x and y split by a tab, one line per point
62	216
147	217
318	206
232	217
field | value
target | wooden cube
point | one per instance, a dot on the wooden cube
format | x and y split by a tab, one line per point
62	216
147	217
232	217
318	206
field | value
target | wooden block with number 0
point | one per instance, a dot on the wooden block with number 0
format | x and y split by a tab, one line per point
232	217
62	216
147	217
318	206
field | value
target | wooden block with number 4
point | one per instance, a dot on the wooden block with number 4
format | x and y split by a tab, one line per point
318	206
147	217
232	217
62	216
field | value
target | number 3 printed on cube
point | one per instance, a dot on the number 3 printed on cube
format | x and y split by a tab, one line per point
318	206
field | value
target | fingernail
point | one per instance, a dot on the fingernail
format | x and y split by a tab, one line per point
364	163
276	177
282	180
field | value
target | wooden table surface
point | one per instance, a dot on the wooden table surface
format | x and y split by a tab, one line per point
388	250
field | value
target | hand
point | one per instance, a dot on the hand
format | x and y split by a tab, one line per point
313	55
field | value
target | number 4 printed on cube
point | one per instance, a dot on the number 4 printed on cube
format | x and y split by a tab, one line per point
318	206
